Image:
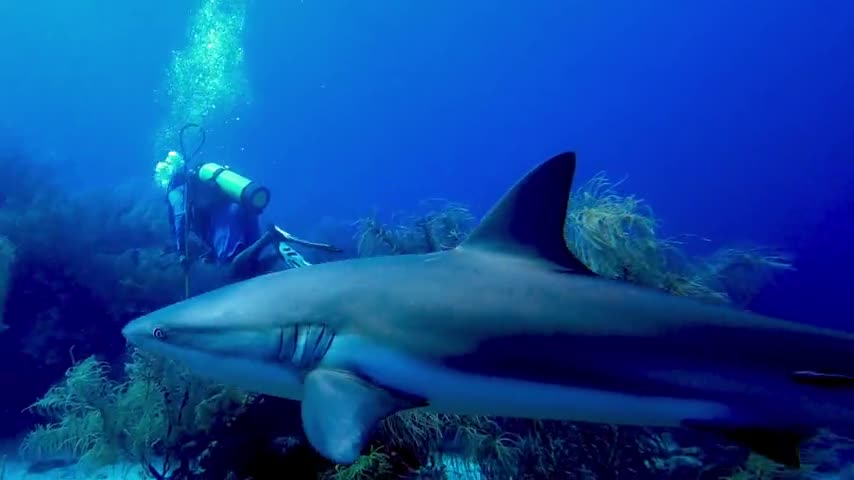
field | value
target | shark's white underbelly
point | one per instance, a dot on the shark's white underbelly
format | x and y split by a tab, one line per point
247	374
452	391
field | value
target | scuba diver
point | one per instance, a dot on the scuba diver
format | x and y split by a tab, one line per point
222	208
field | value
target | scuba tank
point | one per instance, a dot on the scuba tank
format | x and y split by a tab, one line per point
239	188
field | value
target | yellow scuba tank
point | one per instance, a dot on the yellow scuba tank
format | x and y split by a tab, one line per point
236	186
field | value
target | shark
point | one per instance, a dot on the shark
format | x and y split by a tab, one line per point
509	323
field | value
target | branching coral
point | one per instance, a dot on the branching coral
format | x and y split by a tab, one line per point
430	436
617	237
551	449
442	226
175	406
823	457
483	440
741	273
98	420
614	235
415	429
374	464
81	408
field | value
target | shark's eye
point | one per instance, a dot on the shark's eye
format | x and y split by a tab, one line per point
158	333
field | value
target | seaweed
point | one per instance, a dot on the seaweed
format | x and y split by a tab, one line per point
740	273
81	409
153	412
441	225
616	236
374	464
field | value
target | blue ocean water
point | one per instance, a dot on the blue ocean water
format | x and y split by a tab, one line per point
730	119
733	120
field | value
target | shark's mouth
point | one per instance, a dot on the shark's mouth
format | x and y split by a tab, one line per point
253	374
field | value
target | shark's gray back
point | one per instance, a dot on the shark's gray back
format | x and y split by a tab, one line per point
492	313
513	299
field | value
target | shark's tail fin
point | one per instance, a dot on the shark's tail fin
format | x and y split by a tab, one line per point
846	473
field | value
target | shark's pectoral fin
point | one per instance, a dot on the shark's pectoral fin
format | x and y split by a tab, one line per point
340	410
826	380
779	445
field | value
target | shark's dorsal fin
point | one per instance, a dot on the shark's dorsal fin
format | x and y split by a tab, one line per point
529	220
340	410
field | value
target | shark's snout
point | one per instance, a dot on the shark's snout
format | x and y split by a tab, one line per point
247	355
144	331
136	330
150	329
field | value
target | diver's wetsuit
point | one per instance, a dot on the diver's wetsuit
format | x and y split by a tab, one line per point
230	230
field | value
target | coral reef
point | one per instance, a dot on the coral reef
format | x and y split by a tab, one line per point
82	262
740	273
617	237
825	456
440	225
154	412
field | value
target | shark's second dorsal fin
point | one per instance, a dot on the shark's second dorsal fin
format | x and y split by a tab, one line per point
529	220
826	380
780	445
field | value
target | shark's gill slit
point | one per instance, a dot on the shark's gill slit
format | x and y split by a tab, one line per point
299	346
288	344
281	342
324	341
308	345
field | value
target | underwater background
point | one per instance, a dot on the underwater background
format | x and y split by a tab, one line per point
716	159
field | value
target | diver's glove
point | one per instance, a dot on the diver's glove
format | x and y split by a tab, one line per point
184	261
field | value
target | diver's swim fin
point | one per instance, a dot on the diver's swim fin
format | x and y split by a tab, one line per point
322	246
291	257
